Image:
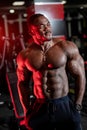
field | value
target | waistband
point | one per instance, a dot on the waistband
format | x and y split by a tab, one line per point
57	100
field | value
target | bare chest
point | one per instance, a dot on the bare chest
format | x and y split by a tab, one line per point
51	59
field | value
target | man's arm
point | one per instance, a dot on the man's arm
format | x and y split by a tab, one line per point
76	68
24	79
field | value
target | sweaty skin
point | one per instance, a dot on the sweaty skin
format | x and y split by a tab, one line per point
47	60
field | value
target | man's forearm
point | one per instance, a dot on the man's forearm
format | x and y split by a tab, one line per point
24	95
80	89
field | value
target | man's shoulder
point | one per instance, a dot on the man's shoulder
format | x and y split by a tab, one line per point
22	55
68	47
62	42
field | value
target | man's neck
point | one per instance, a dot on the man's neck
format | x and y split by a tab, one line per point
46	45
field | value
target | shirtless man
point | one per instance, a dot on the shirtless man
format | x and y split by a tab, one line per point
47	60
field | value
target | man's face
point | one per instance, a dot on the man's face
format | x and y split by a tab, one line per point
42	29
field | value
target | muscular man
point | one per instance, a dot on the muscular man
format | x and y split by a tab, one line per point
47	60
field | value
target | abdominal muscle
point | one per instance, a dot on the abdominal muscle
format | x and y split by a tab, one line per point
51	84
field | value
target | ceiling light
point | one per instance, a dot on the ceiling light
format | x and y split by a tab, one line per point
11	11
18	3
81	7
25	14
63	2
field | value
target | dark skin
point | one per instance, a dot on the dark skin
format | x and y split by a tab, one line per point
47	59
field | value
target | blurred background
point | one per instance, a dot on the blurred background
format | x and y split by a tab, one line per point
69	21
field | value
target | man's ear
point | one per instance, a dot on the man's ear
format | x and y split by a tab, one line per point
31	32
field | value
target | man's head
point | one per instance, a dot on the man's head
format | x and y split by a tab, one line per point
40	28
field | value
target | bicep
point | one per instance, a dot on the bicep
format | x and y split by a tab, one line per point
24	75
76	65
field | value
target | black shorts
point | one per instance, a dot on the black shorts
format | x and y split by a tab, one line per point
53	114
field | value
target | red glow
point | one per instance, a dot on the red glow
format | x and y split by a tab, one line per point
84	36
52	11
85	62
